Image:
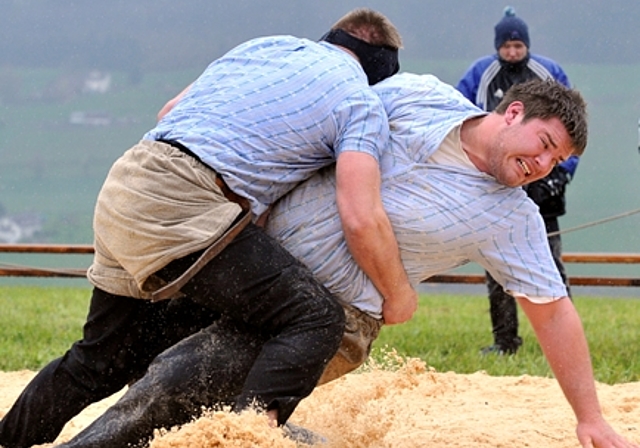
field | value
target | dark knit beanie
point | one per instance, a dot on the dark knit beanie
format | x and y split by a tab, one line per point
511	28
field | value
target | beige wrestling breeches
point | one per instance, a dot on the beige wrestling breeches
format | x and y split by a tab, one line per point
360	331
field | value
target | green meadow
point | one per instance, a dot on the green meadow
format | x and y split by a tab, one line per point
38	324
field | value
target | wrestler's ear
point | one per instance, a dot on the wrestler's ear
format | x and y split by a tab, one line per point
514	112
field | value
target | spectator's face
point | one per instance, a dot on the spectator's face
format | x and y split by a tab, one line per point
512	51
523	152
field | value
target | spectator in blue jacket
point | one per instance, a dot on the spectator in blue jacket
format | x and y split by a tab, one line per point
485	84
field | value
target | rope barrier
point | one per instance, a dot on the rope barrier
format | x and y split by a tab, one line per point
16	270
595	223
7	269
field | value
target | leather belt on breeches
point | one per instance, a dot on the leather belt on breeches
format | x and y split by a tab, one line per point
171	289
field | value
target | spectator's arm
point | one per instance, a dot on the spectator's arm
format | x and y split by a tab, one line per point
468	85
570	165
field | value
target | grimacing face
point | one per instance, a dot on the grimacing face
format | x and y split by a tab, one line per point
526	151
513	51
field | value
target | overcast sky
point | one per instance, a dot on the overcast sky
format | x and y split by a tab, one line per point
569	30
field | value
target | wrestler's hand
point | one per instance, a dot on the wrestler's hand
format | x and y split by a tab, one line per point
601	435
400	307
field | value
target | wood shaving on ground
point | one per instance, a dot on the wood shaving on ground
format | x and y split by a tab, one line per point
383	406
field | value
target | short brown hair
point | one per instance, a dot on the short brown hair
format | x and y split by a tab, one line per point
370	26
549	99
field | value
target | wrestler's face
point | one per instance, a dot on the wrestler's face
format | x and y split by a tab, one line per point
525	151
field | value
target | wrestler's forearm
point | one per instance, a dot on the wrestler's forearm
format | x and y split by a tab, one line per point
561	337
369	235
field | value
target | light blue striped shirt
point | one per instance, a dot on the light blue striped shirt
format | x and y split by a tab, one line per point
273	111
443	215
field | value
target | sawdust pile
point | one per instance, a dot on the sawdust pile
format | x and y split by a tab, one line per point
408	405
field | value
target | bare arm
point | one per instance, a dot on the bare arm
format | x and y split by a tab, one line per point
369	234
172	102
561	336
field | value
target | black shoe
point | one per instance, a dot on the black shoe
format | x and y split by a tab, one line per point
494	349
508	347
302	435
500	350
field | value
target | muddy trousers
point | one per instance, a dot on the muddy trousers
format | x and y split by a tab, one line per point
502	306
206	371
254	283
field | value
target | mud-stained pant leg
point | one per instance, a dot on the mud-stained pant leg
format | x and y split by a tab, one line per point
207	369
120	338
256	282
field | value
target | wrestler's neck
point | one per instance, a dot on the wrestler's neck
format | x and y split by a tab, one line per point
349	52
475	135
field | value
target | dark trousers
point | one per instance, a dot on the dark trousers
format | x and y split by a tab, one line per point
502	306
254	283
205	370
